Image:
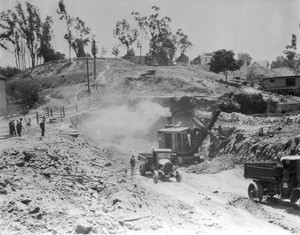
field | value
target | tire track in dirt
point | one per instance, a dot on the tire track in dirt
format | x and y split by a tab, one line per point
222	207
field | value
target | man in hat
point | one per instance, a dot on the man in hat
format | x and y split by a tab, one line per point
42	126
132	164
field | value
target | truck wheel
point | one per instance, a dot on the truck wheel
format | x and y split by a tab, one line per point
143	169
155	176
178	177
255	191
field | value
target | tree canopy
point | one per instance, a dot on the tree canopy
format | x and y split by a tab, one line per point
224	61
125	33
245	58
162	41
291	58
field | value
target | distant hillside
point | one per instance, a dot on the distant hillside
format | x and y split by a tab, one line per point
62	82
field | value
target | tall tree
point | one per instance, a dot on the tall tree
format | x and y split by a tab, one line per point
77	34
162	42
30	24
125	33
10	34
68	20
45	50
223	61
183	41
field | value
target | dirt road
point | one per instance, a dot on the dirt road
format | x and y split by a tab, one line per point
220	205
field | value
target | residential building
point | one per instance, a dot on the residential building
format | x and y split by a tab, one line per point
289	85
206	57
143	60
183	60
261	64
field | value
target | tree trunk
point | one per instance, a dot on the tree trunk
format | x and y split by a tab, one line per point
226	73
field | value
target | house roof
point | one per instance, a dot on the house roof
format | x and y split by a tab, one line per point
182	58
283	77
3	77
263	63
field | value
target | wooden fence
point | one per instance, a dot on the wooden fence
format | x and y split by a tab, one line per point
55	114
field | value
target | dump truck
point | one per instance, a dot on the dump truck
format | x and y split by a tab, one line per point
160	163
272	179
185	141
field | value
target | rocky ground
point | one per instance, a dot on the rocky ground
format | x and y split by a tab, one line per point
61	184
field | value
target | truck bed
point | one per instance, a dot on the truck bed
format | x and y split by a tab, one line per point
268	172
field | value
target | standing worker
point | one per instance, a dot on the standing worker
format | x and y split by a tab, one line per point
132	164
19	127
42	126
13	127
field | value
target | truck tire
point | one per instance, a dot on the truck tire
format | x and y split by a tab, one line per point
155	177
143	169
255	191
178	176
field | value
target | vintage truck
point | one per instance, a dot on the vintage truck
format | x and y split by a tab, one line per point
272	179
160	162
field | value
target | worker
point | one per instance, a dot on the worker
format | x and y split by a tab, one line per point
19	127
298	172
13	126
132	164
42	126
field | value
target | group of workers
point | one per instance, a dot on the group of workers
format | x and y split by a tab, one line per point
16	127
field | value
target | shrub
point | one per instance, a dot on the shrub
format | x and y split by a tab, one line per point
242	103
26	91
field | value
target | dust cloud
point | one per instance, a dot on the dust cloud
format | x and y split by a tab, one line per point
116	123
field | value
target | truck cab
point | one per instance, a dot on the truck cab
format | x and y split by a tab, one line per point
273	179
160	162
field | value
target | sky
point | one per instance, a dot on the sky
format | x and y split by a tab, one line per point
261	28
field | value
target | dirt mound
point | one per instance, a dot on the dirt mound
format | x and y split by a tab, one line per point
258	211
215	165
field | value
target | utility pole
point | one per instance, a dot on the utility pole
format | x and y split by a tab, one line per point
88	77
94	46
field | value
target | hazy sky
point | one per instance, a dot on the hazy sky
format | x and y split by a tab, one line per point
261	28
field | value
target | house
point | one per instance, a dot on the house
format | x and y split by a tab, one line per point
183	60
289	85
3	101
206	57
143	60
260	64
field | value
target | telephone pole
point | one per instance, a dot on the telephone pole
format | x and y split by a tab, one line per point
88	77
94	46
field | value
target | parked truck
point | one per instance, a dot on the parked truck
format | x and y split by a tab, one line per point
160	163
272	179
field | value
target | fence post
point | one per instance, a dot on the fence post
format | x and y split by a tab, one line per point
76	107
37	117
63	109
51	112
